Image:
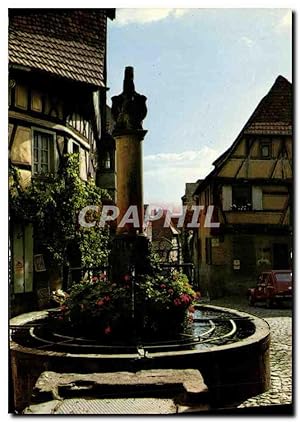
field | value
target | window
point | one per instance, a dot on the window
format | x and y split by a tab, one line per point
284	277
106	161
75	148
43	152
266	149
241	198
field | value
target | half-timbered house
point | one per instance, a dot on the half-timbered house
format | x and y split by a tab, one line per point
251	190
57	105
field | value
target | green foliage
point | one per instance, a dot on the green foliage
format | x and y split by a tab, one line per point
52	205
167	291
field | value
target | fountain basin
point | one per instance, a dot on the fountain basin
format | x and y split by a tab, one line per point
234	368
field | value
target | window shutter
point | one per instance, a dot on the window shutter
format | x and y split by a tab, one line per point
28	255
257	198
18	259
226	197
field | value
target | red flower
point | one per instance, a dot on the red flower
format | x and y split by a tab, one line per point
107	330
100	302
177	302
171	291
94	279
102	276
163	286
185	298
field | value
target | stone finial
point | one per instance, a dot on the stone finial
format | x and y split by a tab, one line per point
129	108
128	84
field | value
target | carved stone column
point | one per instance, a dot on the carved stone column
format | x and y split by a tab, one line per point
129	110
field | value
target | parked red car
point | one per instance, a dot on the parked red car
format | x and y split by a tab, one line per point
272	287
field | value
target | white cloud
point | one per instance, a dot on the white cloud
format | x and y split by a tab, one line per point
246	40
286	21
165	174
141	16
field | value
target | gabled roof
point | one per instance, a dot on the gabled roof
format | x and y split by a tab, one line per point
276	106
189	190
68	42
272	116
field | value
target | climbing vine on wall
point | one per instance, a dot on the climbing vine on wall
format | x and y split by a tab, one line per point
52	205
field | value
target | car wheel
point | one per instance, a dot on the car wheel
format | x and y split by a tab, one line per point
250	301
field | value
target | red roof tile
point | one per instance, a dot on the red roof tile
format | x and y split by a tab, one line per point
277	105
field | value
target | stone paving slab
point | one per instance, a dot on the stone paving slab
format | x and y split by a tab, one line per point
129	406
281	365
54	385
126	406
156	391
280	322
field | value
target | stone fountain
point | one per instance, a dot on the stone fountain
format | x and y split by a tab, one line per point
229	348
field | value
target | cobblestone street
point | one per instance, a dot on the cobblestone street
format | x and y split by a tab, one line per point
280	321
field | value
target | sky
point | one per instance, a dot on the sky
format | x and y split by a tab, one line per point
203	72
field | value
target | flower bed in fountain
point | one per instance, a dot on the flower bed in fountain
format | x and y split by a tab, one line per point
100	309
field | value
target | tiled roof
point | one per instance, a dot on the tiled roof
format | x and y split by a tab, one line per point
273	115
277	105
70	43
277	128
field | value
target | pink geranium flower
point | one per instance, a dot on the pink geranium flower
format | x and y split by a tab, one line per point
107	330
185	298
177	302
